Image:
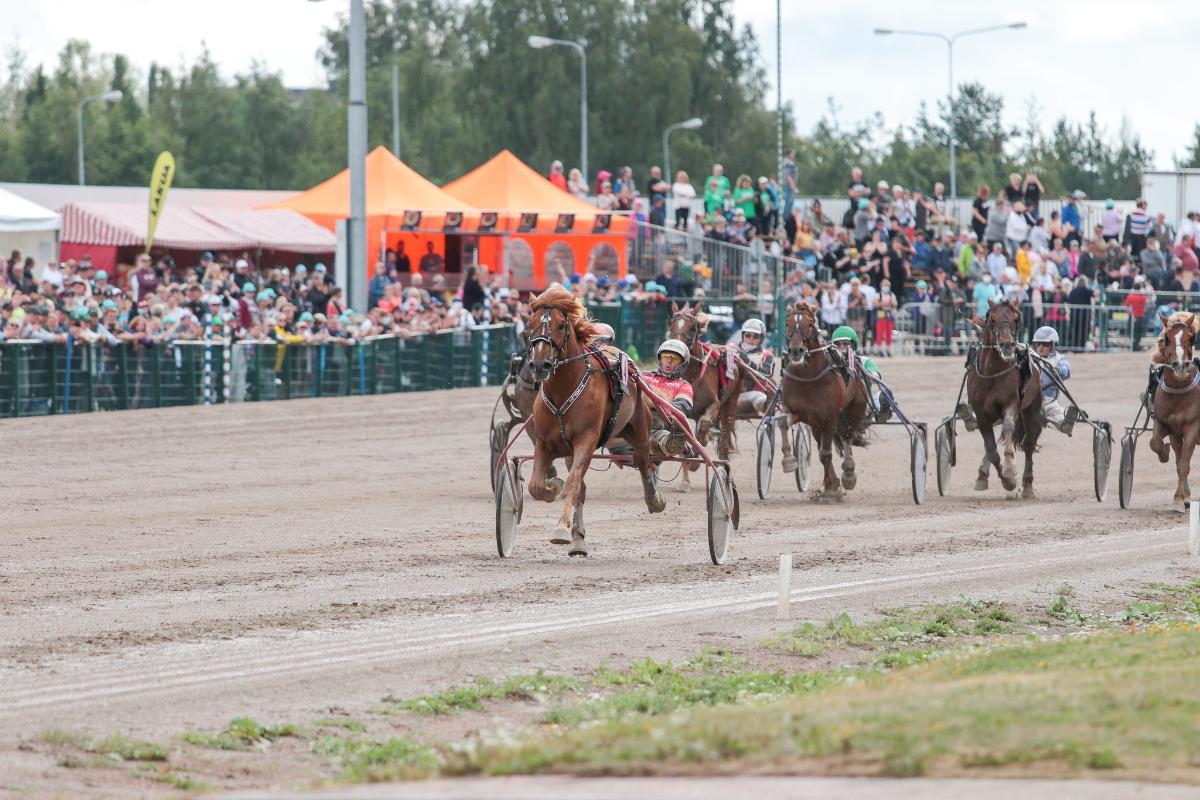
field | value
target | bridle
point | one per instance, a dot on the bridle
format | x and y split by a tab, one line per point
794	320
1177	366
686	314
545	334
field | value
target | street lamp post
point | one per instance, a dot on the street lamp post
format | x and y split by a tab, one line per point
688	125
538	42
396	98
950	40
109	97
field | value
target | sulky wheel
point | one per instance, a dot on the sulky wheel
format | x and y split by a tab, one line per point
943	446
508	511
497	440
1125	479
720	520
766	458
802	448
1101	458
918	458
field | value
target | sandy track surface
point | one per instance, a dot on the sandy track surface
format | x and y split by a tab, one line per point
169	570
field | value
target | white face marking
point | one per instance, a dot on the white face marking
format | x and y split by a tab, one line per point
1179	347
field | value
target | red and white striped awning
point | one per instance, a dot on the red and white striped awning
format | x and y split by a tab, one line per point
195	228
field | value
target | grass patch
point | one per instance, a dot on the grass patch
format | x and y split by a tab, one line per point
241	734
352	725
537	687
369	760
1112	701
901	637
105	752
176	780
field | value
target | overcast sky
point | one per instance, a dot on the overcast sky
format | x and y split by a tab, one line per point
1119	58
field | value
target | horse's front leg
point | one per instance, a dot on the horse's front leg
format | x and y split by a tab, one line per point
1008	432
578	463
991	455
541	485
1158	442
1183	445
824	438
790	464
1029	445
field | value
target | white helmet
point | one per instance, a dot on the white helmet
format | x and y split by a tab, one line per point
753	325
678	348
1045	334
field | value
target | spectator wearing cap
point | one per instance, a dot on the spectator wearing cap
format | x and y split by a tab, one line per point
742	229
602	177
1111	221
246	310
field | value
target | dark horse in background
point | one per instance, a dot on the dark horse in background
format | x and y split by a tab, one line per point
1004	388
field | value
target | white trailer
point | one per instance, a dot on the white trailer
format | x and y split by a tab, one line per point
1173	192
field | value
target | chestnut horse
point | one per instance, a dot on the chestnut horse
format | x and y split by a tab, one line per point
817	392
572	409
710	404
1176	405
1006	389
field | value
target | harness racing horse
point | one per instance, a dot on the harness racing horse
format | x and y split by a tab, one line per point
711	403
573	415
820	390
1176	407
1004	386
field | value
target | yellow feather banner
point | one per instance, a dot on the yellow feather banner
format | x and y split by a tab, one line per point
160	182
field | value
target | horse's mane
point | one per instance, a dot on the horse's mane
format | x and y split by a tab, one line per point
559	299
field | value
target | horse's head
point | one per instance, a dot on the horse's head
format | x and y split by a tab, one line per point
1179	336
549	336
685	324
999	328
803	332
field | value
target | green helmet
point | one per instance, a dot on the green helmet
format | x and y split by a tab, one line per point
843	333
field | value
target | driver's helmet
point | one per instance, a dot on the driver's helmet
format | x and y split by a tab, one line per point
845	334
1045	335
678	348
755	327
604	334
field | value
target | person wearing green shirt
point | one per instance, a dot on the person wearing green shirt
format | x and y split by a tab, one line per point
721	190
714	197
966	257
845	339
744	196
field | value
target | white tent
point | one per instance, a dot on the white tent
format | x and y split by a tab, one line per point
26	226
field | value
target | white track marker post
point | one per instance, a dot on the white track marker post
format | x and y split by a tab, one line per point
784	608
1194	528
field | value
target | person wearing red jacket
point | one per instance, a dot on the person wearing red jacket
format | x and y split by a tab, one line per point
668	383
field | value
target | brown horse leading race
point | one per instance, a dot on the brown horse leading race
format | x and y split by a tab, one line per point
818	391
574	408
1004	387
1176	404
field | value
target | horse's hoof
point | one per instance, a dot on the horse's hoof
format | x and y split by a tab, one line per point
849	480
790	464
981	484
578	547
1027	493
561	535
656	503
1009	483
555	487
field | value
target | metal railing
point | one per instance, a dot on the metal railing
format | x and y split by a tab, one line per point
38	378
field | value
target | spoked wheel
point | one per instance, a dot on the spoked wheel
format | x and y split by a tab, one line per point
766	458
1125	479
720	517
943	445
802	448
497	439
508	510
1101	458
918	461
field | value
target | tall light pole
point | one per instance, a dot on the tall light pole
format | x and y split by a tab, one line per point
396	98
109	97
538	42
950	40
356	156
687	125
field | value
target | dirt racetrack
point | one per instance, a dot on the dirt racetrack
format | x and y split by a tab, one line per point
168	570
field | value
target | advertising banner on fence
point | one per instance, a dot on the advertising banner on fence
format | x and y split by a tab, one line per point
160	182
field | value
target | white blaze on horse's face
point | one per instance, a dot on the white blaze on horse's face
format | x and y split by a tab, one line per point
1181	367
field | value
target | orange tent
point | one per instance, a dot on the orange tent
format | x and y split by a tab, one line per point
393	187
507	185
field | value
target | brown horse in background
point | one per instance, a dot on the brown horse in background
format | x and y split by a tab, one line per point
817	392
1003	388
571	410
1176	405
711	405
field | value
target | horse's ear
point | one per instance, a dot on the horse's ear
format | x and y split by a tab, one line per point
811	307
1163	318
1015	305
992	302
976	321
674	307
